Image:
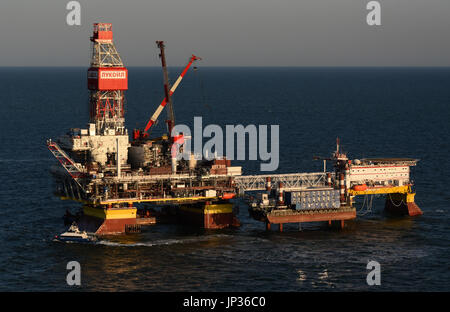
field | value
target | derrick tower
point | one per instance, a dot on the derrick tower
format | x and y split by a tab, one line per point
107	81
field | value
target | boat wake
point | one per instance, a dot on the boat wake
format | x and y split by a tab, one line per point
163	242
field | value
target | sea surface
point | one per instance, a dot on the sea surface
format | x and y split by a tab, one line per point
376	112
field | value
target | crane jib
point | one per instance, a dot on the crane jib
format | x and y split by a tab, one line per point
158	111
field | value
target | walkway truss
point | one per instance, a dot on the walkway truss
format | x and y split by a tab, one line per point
290	181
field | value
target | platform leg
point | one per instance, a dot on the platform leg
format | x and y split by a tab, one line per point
329	222
281	227
342	224
299	226
402	204
268	226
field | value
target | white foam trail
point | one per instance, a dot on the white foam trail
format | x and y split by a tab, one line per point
323	275
301	275
162	242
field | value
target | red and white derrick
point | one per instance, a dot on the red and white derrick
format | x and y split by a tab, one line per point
107	81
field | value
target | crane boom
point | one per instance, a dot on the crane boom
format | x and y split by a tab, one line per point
170	115
172	90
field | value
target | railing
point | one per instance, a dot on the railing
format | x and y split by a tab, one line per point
290	181
72	169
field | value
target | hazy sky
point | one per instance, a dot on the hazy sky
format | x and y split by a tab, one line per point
231	32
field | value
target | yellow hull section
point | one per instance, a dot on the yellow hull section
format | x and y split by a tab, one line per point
168	200
382	190
177	200
408	198
111	213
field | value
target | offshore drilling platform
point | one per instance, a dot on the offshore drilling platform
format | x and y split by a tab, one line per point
109	174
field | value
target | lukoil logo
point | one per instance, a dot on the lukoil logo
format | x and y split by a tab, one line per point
116	74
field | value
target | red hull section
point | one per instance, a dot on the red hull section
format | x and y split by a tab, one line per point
200	216
218	220
414	210
104	226
317	217
208	221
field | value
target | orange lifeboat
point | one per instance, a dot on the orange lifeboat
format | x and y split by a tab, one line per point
228	195
361	187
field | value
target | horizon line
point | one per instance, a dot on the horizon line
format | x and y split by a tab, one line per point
240	66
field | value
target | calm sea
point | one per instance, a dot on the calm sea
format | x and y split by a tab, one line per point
383	112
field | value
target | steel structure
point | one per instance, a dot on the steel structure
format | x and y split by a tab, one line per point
107	81
109	174
290	181
330	196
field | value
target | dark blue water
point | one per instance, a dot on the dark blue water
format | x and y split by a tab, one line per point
375	112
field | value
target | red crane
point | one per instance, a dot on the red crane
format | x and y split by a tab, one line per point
168	94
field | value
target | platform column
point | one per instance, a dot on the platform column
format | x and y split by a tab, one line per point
402	204
280	194
413	209
342	188
106	219
329	179
268	185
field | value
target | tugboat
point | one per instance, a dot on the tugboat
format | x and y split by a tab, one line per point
73	234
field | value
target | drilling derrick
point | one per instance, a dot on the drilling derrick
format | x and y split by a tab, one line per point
107	81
